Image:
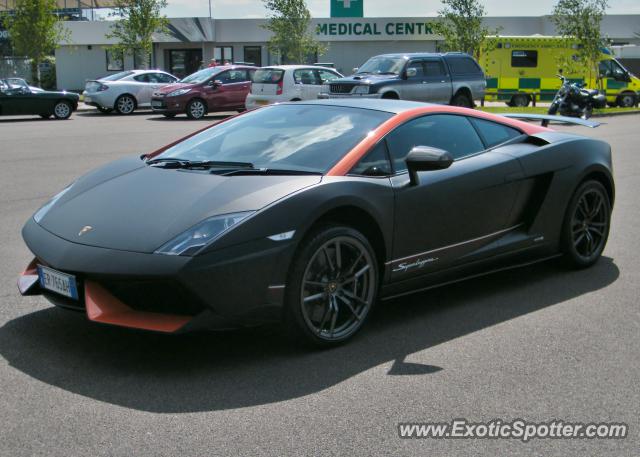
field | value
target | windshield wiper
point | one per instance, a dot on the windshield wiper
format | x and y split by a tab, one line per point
190	164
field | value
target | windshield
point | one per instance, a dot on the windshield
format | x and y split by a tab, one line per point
16	83
117	76
300	137
383	65
200	76
268	76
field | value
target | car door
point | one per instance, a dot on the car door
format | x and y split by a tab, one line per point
20	100
450	215
145	85
437	81
233	90
412	88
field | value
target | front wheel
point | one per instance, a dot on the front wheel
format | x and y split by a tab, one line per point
62	110
196	109
332	286
586	225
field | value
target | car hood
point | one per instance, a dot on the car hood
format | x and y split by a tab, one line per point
370	79
134	207
171	87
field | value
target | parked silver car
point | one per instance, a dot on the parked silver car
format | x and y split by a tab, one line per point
125	91
451	78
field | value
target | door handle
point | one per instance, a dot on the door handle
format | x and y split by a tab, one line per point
511	177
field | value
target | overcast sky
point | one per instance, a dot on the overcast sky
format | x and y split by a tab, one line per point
384	8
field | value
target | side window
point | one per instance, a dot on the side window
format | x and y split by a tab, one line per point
164	78
417	64
605	68
153	78
524	59
143	78
463	66
232	76
305	76
375	163
494	133
452	133
434	68
326	76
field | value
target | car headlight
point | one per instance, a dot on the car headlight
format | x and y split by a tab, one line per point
175	93
198	236
361	89
45	209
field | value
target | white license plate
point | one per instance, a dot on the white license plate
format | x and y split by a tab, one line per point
60	283
156	104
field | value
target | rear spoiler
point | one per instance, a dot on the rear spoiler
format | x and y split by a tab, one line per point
546	118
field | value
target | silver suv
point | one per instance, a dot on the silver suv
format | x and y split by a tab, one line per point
453	78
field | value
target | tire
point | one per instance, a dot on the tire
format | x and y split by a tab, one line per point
519	100
462	99
585	229
588	112
169	115
196	109
627	100
45	116
125	104
104	110
329	296
62	110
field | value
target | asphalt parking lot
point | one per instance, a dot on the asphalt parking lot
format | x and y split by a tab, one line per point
537	343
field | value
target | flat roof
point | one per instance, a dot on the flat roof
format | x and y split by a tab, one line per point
8	5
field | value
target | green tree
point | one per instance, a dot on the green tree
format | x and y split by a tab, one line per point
460	24
579	22
289	21
138	21
35	31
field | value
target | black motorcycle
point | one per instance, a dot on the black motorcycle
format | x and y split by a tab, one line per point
573	100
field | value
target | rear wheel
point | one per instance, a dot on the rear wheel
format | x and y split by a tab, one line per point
627	100
196	109
332	286
519	100
125	104
586	225
62	110
462	99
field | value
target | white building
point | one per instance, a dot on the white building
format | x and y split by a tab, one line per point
350	41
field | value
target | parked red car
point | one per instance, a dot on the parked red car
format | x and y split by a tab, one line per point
222	88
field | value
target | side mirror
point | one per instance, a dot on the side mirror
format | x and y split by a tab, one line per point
426	158
215	84
355	69
411	72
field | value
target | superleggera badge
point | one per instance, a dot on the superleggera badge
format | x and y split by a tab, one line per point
403	267
85	229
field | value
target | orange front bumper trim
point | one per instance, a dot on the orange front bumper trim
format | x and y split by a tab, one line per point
28	278
105	308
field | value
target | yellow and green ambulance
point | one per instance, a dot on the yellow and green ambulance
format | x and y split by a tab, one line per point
522	69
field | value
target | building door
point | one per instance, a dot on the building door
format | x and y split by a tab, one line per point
253	55
183	62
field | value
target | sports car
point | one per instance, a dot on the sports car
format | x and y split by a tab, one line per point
18	98
308	213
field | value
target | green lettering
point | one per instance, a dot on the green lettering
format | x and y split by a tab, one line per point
428	29
342	29
375	30
321	29
332	29
389	28
357	29
399	29
409	29
367	29
419	25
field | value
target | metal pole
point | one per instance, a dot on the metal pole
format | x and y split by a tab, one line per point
210	16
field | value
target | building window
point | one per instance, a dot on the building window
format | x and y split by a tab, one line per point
253	55
115	60
524	59
223	54
140	61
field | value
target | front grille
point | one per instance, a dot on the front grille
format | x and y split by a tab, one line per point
340	88
155	295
